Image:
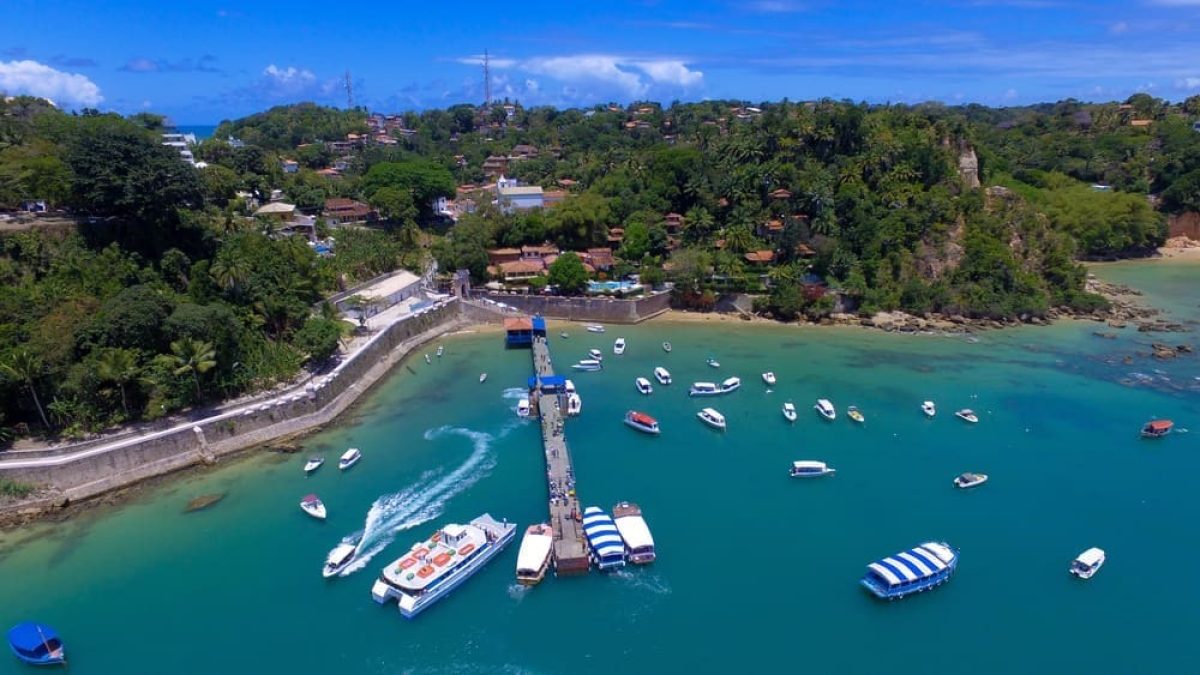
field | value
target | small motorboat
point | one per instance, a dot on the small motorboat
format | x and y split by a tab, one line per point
810	469
713	363
704	389
574	404
789	411
341	556
1157	428
619	346
642	422
667	347
1088	563
967	415
970	480
594	328
428	360
482	378
712	418
769	378
731	385
643	385
313	464
855	414
588	365
313	506
523	408
825	409
929	408
564	335
37	644
569	386
349	459
662	375
440	350
595	354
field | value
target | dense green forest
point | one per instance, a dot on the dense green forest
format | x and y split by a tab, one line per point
166	293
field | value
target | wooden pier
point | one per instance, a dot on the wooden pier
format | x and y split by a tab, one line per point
570	546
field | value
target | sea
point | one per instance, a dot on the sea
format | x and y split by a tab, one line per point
756	571
202	131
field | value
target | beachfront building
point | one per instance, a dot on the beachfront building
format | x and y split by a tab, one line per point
388	291
514	197
339	212
182	143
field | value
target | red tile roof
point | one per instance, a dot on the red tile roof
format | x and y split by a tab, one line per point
760	256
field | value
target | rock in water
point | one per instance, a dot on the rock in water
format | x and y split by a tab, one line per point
203	502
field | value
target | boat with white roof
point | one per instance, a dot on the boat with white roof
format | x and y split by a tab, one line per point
433	568
533	558
608	548
789	411
712	418
929	408
595	354
1088	563
440	350
917	569
769	378
574	404
662	375
642	422
524	409
349	459
713	363
313	506
704	389
482	378
588	365
825	409
810	469
594	328
569	386
313	464
970	480
639	543
340	557
643	385
967	415
731	385
667	347
619	346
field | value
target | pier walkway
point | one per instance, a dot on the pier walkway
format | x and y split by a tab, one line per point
570	547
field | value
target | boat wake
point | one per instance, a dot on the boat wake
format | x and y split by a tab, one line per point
517	591
515	393
644	582
426	498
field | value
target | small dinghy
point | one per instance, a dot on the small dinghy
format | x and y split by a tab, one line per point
595	328
929	408
37	644
789	411
970	480
441	350
349	459
313	506
619	346
667	347
427	359
563	335
313	464
713	363
967	415
855	414
482	378
769	378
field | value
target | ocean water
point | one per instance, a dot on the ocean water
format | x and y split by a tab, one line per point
755	571
202	131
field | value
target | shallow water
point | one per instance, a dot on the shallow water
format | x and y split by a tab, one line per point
754	570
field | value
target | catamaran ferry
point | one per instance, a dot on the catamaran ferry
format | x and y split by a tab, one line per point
912	571
433	568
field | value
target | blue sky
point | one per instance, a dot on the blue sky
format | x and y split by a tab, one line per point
200	61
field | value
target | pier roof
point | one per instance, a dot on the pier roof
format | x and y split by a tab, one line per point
520	323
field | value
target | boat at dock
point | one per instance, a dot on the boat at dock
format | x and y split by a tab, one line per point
1088	563
643	385
588	365
913	571
594	328
855	414
533	558
667	347
313	464
825	409
595	355
313	506
340	557
769	378
639	543
970	480
619	346
482	378
1157	428
929	408
789	411
349	459
569	386
574	404
662	375
524	409
967	415
37	644
712	418
435	567
810	469
608	548
642	422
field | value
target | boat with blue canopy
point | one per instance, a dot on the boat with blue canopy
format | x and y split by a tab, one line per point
37	644
917	569
608	548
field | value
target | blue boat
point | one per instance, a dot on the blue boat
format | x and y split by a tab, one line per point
608	548
912	571
36	644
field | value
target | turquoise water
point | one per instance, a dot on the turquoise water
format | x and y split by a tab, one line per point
202	131
755	570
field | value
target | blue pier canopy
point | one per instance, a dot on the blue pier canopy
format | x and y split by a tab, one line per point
549	385
539	325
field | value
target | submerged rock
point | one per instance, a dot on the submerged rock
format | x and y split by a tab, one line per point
203	502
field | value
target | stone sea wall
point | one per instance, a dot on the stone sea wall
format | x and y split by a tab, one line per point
597	309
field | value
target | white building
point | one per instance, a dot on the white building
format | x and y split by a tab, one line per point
512	197
183	144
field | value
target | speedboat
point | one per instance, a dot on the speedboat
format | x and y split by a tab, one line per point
789	411
967	414
563	335
1157	428
704	389
667	347
970	480
523	408
595	354
349	458
769	378
427	359
569	386
313	506
731	385
662	375
313	464
713	363
574	404
639	543
619	346
588	365
917	569
825	409
929	408
608	548
712	418
594	328
1088	563
641	421
643	385
810	469
341	556
533	558
37	644
440	350
482	378
855	414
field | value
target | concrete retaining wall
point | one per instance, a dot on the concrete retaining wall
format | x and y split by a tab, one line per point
601	309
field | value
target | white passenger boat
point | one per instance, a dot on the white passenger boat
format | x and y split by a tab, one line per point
524	408
855	414
643	385
704	389
970	480
967	415
810	469
349	459
619	346
825	409
313	464
608	549
731	385
712	418
569	386
642	422
313	506
440	350
588	365
713	363
595	354
594	328
639	543
662	375
929	408
769	378
482	378
789	411
436	566
667	347
574	404
339	558
533	558
1088	563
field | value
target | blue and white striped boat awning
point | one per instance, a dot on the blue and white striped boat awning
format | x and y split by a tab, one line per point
908	566
602	533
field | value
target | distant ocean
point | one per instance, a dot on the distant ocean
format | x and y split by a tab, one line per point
202	131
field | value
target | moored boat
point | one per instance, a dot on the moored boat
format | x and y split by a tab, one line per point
608	549
855	414
594	328
482	378
731	385
588	365
574	404
667	347
349	459
769	378
912	571
825	409
967	415
340	557
810	469
564	335
313	506
619	346
970	480
713	363
1088	563
313	464
662	375
929	408
704	389
641	421
533	558
427	359
1157	428
440	350
37	644
643	385
435	567
712	418
639	543
595	355
523	408
569	386
789	411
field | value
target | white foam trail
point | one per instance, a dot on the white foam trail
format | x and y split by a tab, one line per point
515	393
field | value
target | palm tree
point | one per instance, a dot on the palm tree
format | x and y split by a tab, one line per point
26	367
192	356
120	367
229	271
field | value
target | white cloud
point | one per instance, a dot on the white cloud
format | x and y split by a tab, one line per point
1188	83
531	85
1119	27
630	76
670	72
288	80
36	79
